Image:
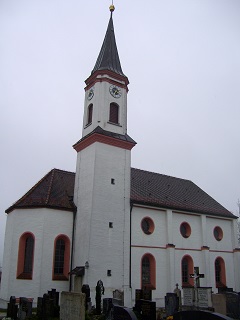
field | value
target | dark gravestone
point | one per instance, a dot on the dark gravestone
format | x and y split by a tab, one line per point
233	305
25	308
171	304
45	307
54	298
12	308
138	298
86	290
147	294
199	315
40	308
121	313
148	310
107	305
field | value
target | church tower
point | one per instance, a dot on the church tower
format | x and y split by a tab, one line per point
102	184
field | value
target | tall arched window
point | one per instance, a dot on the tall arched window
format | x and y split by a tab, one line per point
220	273
90	113
187	269
148	272
113	113
61	258
25	256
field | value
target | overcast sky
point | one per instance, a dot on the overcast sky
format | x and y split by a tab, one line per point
182	58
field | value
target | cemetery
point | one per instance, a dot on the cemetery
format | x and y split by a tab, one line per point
189	303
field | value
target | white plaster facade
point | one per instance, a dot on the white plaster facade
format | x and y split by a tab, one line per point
168	259
45	225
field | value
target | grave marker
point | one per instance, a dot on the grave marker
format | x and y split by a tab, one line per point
72	306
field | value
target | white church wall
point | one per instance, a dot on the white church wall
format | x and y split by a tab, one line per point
45	225
168	259
159	235
102	246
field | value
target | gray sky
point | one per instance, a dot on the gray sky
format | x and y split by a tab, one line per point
182	58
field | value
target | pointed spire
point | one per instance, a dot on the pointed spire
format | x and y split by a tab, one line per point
108	58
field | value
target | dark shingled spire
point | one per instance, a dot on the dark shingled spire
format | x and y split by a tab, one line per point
108	58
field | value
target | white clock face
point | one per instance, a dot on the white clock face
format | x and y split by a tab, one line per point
115	91
90	94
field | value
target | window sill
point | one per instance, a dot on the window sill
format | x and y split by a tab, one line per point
149	287
60	277
87	125
115	124
25	276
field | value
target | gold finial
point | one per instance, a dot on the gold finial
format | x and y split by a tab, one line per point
111	8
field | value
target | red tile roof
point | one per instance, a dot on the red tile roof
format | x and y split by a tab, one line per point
164	191
55	190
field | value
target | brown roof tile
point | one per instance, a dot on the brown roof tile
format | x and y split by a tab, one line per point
164	191
55	190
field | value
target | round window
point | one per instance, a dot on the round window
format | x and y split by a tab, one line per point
218	233
185	230
147	225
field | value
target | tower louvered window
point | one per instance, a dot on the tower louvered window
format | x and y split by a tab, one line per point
113	114
90	113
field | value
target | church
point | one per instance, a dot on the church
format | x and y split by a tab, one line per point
129	228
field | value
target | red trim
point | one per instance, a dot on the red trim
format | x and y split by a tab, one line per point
151	225
152	285
188	229
21	256
63	276
93	78
96	137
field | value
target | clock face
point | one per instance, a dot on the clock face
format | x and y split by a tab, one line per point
90	94
115	91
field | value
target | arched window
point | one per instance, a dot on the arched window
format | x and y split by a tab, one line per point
148	272
61	258
90	113
187	269
220	273
113	113
25	256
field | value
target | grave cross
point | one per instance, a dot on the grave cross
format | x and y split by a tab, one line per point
196	275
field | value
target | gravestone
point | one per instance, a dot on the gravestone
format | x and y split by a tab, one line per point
118	297
147	294
204	296
188	296
171	304
25	308
138	298
178	292
54	298
233	305
12	308
219	303
72	306
86	290
148	310
107	305
122	313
